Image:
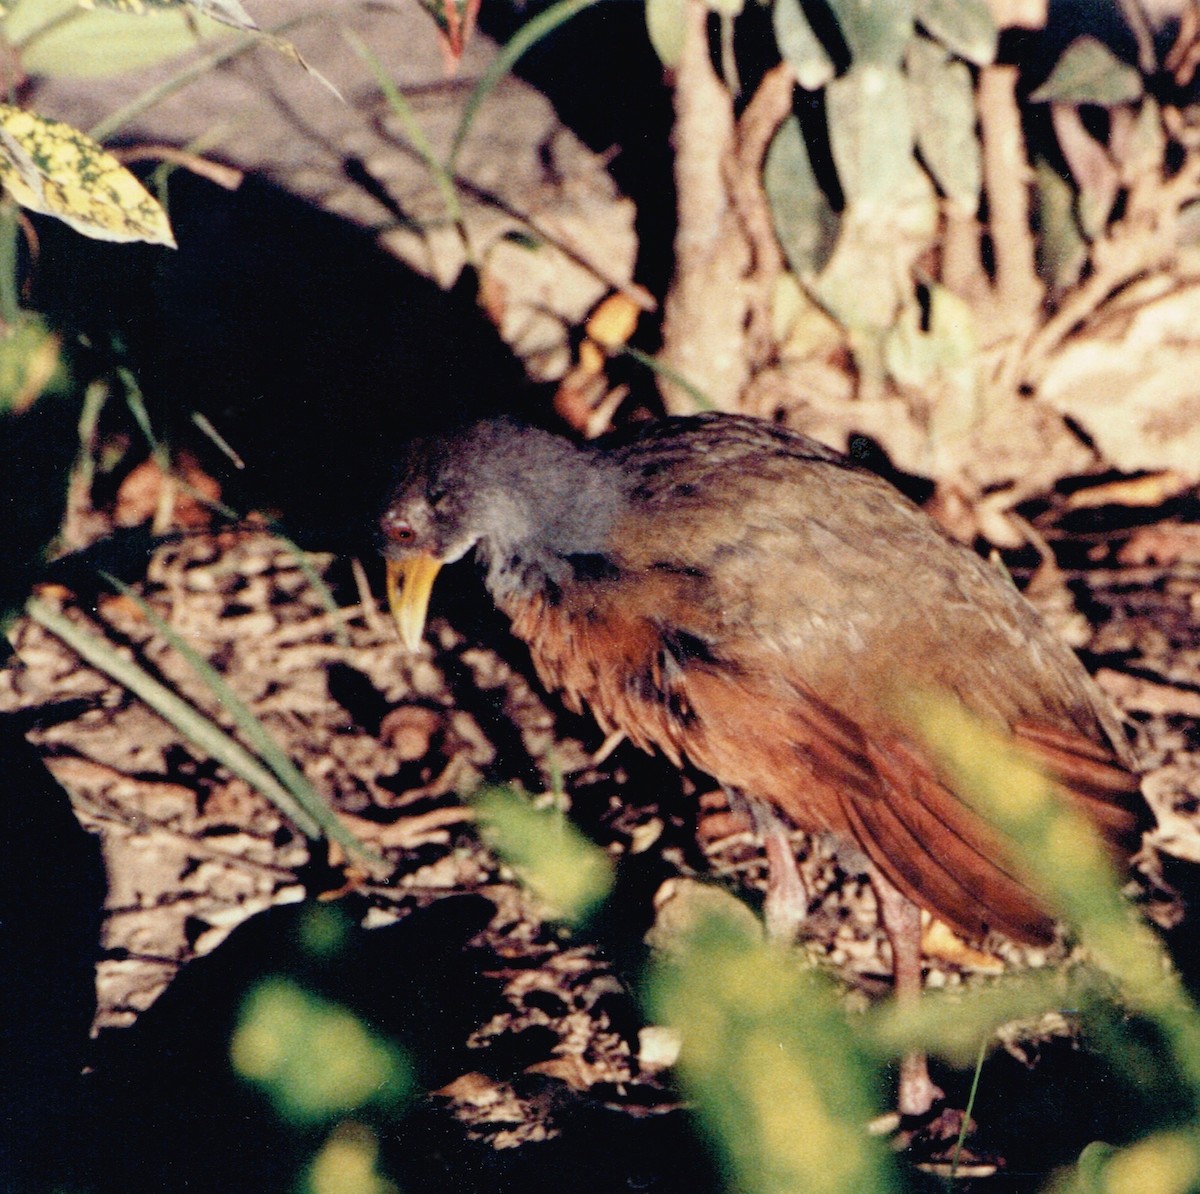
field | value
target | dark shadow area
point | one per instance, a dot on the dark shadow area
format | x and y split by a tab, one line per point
310	351
37	448
615	99
167	1112
51	894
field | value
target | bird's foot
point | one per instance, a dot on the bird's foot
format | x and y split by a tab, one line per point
918	1092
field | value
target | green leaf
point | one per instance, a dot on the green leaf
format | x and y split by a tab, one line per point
943	111
31	363
876	31
228	12
964	27
799	45
870	133
946	347
664	23
1061	247
1090	73
58	38
868	280
509	55
455	20
804	221
315	1060
1166	1162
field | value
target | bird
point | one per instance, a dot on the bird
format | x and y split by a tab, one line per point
744	599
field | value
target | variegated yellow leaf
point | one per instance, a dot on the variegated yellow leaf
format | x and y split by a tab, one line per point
50	167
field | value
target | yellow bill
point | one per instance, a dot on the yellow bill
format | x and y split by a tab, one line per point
409	584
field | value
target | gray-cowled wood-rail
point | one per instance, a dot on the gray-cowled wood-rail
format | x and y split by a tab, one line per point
730	592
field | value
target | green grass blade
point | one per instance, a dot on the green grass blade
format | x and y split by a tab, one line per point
314	578
251	729
442	177
697	395
117	120
171	707
194	725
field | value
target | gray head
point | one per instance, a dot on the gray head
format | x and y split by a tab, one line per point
526	500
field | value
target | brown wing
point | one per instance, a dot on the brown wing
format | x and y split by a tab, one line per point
764	606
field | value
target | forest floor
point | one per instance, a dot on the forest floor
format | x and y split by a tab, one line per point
533	1054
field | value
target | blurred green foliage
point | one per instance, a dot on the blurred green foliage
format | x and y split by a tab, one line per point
782	1087
550	856
316	1061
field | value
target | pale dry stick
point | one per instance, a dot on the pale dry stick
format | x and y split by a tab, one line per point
962	267
704	313
1006	176
229	178
767	110
366	599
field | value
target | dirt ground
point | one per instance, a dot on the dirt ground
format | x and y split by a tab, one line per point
549	1046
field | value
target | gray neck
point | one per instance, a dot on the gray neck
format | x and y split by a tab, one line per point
545	515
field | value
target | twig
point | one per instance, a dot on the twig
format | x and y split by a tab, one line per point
1006	179
703	324
766	111
227	177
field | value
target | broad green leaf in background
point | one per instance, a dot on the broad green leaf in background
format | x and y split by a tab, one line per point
939	357
50	167
664	24
59	38
964	27
804	221
945	343
799	45
869	278
876	31
1090	73
942	96
871	134
1163	1163
228	12
1061	247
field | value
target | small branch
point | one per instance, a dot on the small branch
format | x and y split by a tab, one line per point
769	108
703	136
766	111
703	321
227	177
962	267
1006	180
1140	242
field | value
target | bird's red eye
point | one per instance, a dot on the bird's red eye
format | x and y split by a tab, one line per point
398	530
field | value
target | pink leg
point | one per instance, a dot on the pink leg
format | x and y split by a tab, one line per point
785	906
901	921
